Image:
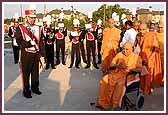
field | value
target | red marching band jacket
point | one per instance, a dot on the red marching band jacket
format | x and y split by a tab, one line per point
49	40
59	36
27	37
75	40
89	36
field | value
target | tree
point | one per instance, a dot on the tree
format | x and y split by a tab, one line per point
8	21
148	23
68	24
99	14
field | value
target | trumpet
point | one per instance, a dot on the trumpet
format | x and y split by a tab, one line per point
61	29
99	37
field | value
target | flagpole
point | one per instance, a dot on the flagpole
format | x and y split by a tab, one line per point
44	10
21	12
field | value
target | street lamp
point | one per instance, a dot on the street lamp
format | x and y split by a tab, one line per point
72	11
21	12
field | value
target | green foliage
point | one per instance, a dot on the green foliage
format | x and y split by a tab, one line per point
99	14
69	23
148	23
8	21
82	23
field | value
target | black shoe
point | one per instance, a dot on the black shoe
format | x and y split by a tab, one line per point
99	107
117	109
70	66
47	67
85	62
38	92
99	62
27	94
57	62
96	66
63	63
53	67
88	66
77	67
16	62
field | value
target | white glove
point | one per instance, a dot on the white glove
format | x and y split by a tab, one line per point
32	42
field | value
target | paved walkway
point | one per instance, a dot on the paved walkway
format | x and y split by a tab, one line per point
63	89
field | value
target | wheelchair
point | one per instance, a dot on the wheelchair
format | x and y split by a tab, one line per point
126	103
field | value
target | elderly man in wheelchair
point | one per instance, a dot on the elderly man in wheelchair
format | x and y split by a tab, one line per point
125	70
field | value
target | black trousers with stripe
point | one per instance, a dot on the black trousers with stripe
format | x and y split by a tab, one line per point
30	66
60	45
75	51
99	44
16	53
82	49
50	54
91	48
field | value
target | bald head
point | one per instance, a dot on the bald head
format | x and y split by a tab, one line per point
111	23
161	27
142	29
127	49
136	25
161	24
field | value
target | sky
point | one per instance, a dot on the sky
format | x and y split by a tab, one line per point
10	8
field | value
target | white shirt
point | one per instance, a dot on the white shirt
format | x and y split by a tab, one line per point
129	35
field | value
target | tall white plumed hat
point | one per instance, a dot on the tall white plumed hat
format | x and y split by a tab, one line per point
31	11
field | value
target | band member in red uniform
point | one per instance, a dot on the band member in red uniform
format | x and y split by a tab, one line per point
49	45
99	35
74	37
44	32
90	37
90	46
12	35
60	35
44	29
48	35
81	44
29	38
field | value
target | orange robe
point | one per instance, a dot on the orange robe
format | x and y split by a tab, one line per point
160	37
110	42
154	62
112	85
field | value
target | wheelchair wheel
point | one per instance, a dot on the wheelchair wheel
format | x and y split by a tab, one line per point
139	102
124	104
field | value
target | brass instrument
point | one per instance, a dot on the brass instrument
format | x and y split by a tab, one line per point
51	35
99	34
61	29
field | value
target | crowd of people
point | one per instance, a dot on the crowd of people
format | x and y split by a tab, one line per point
130	47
